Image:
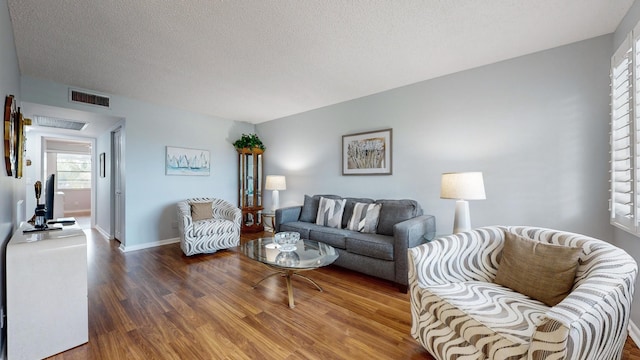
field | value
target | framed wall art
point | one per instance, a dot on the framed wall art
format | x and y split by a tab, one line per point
367	153
184	161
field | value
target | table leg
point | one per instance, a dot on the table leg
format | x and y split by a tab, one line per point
265	278
309	280
288	274
290	288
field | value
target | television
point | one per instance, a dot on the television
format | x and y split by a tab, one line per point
49	194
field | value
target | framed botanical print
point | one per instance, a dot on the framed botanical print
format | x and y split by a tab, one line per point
367	153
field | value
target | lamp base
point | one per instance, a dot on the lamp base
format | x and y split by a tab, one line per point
275	200
462	220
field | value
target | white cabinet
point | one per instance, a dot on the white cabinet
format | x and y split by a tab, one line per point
47	306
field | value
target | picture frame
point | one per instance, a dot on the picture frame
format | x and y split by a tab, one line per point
367	153
102	165
186	161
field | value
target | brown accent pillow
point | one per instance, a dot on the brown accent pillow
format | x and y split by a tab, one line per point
201	211
542	271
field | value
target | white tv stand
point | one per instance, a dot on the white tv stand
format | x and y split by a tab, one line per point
47	306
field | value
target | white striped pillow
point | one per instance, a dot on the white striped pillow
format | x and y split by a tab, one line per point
365	218
330	212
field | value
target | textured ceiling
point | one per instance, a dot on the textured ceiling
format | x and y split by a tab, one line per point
257	60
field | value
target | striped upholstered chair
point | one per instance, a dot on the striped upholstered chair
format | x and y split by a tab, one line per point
207	225
459	312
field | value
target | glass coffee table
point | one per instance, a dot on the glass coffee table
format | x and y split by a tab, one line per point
305	255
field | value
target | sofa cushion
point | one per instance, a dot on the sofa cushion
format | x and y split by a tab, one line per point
365	218
330	236
486	315
371	245
543	271
201	210
348	208
395	211
309	210
330	212
298	226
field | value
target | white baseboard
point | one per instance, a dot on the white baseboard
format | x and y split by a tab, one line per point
634	333
103	232
129	248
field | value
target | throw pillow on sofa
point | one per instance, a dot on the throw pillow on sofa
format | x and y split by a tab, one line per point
309	211
395	211
365	218
201	211
330	212
542	271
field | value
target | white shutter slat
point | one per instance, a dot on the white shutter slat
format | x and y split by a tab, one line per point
623	160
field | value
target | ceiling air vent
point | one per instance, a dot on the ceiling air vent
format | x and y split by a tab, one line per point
57	123
88	98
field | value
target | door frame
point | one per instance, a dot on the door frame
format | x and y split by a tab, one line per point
118	208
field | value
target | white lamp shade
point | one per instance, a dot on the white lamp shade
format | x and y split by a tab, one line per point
463	185
275	182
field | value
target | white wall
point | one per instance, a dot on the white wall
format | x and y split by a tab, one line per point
150	194
11	189
536	126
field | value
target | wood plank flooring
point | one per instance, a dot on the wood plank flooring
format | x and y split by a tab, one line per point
159	304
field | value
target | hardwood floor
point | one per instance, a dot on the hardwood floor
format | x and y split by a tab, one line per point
159	304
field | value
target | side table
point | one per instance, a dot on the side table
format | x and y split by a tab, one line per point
269	221
47	304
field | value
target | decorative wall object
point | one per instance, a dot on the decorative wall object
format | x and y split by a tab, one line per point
9	134
184	161
14	139
20	142
367	153
102	165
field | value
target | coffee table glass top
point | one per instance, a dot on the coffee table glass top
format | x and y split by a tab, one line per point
308	254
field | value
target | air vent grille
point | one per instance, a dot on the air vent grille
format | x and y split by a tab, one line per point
87	98
58	123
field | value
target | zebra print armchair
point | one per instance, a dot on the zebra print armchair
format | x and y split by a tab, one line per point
221	231
459	312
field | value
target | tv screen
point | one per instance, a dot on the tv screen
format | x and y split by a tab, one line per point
49	194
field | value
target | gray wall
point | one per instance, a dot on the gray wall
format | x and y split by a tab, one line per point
621	238
151	196
11	189
536	126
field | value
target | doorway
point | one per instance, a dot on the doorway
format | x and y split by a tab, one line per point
70	161
117	181
96	130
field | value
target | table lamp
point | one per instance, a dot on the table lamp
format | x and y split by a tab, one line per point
275	183
462	186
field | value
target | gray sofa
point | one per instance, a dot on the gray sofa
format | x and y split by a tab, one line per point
383	254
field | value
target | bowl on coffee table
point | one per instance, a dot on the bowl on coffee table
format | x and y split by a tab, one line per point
287	240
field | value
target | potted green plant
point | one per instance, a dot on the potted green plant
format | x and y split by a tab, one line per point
249	143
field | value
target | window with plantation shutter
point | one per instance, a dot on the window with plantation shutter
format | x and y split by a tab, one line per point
625	134
623	190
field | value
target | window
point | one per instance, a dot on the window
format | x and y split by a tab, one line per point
625	134
74	171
